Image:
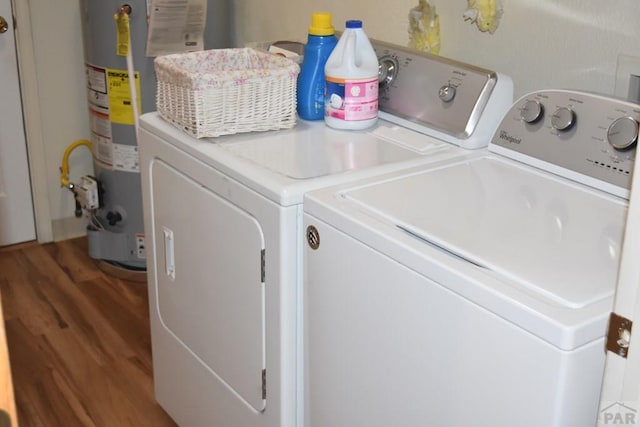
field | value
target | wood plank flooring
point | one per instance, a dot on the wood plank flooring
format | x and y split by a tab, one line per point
78	338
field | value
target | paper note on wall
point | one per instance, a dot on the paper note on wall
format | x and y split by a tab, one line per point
176	26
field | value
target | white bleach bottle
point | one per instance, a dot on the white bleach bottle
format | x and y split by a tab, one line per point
351	81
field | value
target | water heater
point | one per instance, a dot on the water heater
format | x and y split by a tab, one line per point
116	232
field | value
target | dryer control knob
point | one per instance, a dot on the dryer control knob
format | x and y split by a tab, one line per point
623	133
447	93
563	119
531	111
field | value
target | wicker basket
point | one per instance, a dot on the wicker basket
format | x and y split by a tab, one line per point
225	91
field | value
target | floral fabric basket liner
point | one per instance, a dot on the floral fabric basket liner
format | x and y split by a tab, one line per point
226	91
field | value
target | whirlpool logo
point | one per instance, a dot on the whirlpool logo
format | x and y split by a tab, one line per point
509	138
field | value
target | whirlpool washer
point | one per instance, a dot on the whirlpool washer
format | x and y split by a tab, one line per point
474	291
223	223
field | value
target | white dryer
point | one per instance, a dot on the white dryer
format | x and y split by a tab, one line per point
223	224
474	291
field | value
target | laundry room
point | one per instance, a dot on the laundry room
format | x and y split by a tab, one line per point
280	191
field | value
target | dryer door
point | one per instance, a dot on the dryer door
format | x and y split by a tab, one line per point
209	279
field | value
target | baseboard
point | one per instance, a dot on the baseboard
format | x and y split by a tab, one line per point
69	228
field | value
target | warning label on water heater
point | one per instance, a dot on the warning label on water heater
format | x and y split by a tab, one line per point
97	87
126	158
108	93
120	105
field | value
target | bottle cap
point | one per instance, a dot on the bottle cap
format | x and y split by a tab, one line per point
321	24
354	23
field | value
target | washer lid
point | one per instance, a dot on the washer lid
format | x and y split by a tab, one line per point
314	151
555	238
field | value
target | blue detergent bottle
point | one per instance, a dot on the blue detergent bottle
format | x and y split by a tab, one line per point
310	87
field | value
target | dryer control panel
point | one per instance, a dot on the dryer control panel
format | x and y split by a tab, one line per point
460	101
583	136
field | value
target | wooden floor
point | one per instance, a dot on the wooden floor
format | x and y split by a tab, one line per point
78	340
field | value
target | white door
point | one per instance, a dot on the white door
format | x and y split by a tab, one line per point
620	399
16	206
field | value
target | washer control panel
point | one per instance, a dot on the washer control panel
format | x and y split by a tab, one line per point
584	134
439	93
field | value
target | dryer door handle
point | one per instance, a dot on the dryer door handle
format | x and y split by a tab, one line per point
169	254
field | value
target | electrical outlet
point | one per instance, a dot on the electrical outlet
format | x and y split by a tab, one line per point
628	78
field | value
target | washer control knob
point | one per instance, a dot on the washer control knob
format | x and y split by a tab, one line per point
623	133
563	119
531	111
387	70
447	93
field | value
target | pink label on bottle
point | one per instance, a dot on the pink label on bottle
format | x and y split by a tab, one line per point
352	100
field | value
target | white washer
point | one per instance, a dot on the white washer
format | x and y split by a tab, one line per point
474	291
223	222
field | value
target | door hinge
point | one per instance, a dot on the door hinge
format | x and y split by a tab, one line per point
264	384
619	335
262	267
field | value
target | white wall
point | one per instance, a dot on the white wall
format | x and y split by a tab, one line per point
539	43
61	86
